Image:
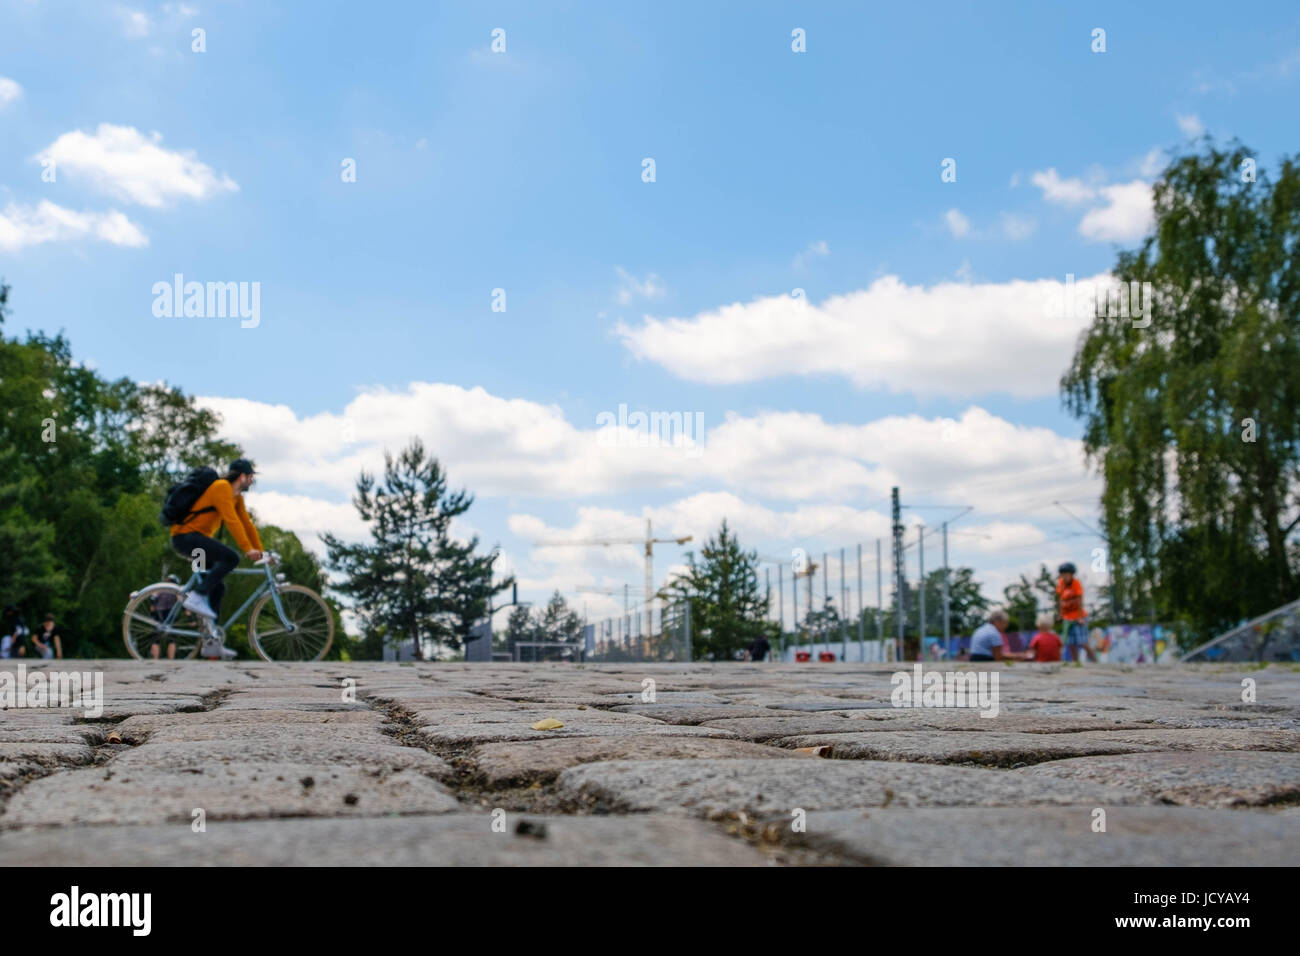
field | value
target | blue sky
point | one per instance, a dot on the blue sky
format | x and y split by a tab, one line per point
522	170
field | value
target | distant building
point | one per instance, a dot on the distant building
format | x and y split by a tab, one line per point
479	645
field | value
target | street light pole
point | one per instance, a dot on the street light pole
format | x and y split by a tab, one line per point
920	637
947	632
862	647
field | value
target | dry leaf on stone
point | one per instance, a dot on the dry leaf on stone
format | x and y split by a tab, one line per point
820	751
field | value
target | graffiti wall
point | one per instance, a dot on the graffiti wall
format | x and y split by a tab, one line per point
1121	643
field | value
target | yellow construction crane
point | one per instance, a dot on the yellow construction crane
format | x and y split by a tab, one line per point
649	542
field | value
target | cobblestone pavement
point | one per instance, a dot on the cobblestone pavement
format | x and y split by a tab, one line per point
201	763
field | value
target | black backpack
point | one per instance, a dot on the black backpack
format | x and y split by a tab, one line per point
179	505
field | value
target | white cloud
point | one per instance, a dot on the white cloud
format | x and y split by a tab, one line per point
125	163
135	23
947	339
1128	214
309	517
1017	227
631	288
1277	70
814	250
180	10
1010	227
779	478
957	224
1152	163
1190	125
45	222
10	91
513	447
1056	189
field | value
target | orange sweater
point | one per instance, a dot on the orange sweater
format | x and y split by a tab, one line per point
1071	599
230	511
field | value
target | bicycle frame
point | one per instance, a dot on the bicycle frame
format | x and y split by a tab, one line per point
268	585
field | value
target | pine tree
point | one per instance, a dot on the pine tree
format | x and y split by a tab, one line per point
414	580
728	607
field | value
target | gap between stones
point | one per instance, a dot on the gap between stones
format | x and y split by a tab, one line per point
102	751
539	797
466	781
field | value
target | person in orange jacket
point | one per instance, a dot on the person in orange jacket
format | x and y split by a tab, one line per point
1069	598
222	503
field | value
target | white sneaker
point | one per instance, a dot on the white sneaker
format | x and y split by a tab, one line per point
228	654
211	647
196	602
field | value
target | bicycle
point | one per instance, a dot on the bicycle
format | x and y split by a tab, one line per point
288	622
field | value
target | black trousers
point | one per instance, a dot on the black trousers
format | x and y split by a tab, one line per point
218	560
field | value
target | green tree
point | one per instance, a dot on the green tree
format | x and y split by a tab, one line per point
520	627
1192	419
967	608
728	606
414	579
84	462
28	571
1026	597
823	625
554	623
558	622
169	434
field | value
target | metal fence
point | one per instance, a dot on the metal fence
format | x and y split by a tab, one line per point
661	634
1274	636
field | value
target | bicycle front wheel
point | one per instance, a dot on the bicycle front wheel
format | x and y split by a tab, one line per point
142	628
304	632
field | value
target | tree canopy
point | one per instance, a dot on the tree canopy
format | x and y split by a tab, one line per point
414	580
728	606
84	464
1192	419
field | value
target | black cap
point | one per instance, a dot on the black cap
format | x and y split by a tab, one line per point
1066	568
241	466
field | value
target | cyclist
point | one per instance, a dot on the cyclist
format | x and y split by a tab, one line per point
222	503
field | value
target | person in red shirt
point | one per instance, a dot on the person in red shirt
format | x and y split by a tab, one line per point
1046	644
1069	597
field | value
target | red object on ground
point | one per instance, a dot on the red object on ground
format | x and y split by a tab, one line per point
802	656
826	657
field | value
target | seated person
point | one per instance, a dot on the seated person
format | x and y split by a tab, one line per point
1046	644
986	643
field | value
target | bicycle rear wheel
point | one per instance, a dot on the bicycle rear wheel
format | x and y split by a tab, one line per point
141	629
304	633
